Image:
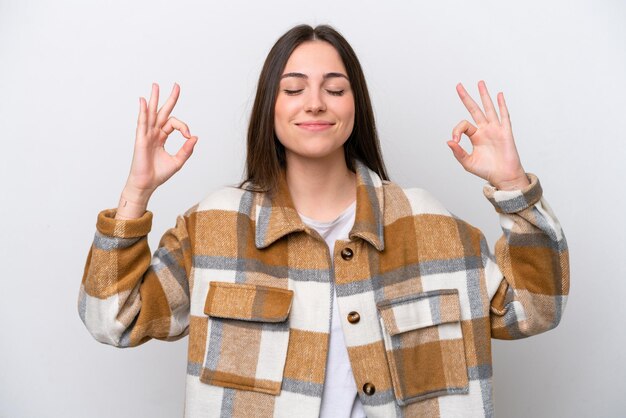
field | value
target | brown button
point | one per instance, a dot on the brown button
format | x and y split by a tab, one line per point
347	253
369	389
354	317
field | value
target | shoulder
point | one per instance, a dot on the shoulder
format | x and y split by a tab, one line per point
424	208
419	201
218	212
227	198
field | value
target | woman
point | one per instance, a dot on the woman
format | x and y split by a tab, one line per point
318	286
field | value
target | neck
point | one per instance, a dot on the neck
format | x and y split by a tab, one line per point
320	188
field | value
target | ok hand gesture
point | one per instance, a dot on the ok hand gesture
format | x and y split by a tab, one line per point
152	165
494	156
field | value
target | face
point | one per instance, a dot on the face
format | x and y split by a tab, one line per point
314	112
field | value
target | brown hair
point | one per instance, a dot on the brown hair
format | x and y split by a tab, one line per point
265	154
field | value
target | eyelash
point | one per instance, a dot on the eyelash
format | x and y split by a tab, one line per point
331	92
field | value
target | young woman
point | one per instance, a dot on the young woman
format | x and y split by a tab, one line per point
318	287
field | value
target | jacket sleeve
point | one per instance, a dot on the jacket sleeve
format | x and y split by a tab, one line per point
528	279
126	296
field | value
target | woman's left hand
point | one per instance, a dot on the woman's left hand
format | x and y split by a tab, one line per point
494	156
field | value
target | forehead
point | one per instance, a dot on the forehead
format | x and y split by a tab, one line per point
315	58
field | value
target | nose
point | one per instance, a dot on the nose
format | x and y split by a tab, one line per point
315	102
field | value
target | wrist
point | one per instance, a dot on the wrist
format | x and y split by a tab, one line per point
132	204
136	195
518	183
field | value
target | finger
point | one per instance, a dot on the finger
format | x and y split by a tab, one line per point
459	153
463	127
470	104
142	119
152	106
504	111
490	110
174	123
166	109
185	151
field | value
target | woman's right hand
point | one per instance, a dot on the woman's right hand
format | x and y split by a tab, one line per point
152	165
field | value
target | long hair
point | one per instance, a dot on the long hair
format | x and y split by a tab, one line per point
265	154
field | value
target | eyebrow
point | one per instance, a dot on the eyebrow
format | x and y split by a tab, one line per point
326	76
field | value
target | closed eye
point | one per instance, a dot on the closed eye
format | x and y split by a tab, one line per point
335	92
292	92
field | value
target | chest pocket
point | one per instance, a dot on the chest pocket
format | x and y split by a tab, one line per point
424	345
248	338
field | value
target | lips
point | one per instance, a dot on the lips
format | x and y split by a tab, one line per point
315	125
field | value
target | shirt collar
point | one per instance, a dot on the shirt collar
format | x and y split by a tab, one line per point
277	215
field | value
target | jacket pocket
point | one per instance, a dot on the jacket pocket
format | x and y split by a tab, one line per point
424	345
248	338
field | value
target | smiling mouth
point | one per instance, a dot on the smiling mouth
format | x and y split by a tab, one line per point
315	125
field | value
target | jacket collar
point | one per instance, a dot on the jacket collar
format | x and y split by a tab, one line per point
277	215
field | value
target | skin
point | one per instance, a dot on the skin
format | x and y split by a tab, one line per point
320	183
152	165
494	156
315	88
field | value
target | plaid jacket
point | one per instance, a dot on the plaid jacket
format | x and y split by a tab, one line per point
419	294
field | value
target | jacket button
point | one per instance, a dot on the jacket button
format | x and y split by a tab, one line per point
347	253
354	317
369	389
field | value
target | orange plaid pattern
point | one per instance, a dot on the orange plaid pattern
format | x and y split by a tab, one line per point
420	296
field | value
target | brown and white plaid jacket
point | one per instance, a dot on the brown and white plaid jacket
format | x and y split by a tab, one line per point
420	296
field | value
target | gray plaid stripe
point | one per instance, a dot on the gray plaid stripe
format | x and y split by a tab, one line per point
227	403
378	398
512	205
103	242
304	388
483	371
435	308
511	322
474	293
533	240
407	272
543	224
243	232
485	388
193	369
215	345
263	222
256	266
449	266
125	338
165	259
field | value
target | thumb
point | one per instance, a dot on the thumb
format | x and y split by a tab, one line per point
459	153
185	151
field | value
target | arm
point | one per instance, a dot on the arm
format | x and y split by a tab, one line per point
528	280
126	297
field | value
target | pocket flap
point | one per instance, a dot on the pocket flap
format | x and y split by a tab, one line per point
421	310
248	302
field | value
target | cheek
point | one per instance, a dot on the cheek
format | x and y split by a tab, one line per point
347	113
284	111
282	116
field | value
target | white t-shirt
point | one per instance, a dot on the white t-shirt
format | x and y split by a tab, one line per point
339	398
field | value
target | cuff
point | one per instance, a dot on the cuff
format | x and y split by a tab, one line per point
123	228
511	201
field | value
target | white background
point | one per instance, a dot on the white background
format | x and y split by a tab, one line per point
71	73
